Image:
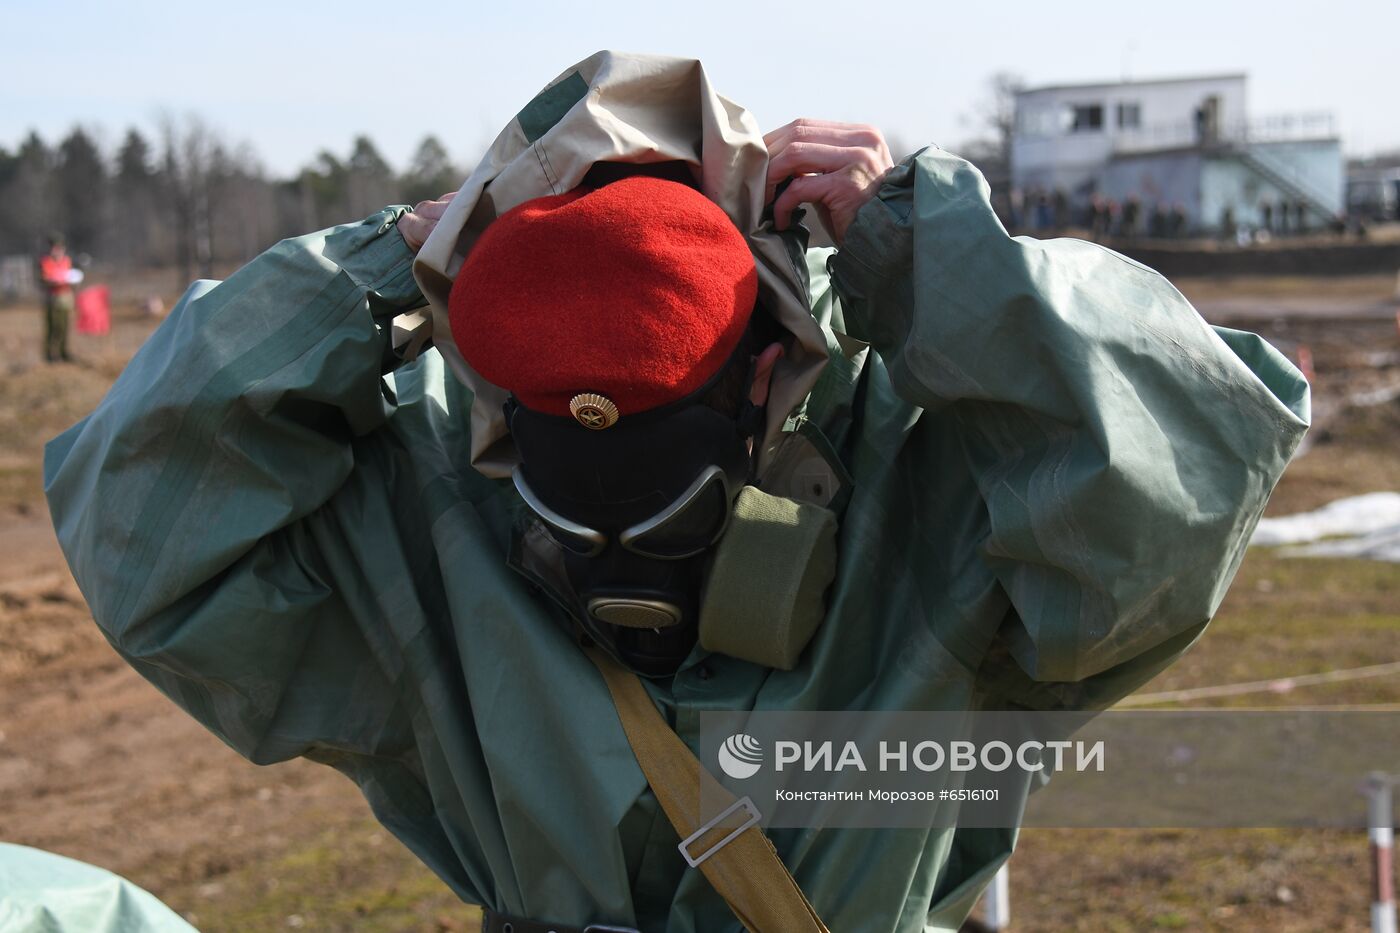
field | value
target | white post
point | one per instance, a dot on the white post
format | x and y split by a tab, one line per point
1382	823
996	901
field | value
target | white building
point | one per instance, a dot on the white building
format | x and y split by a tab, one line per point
1373	189
1187	141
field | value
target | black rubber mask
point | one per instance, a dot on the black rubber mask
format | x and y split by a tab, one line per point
636	508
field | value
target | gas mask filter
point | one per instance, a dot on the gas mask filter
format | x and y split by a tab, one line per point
764	595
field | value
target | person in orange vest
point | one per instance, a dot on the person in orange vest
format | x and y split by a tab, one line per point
56	274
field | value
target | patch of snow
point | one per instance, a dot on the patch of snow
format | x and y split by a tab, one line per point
1378	545
1366	526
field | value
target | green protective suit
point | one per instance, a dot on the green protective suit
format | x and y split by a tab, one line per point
1052	464
41	892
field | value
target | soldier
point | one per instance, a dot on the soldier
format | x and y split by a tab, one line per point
661	459
56	274
1132	208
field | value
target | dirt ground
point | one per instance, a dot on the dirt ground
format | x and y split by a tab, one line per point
97	765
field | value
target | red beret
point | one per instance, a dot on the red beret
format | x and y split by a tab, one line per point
638	291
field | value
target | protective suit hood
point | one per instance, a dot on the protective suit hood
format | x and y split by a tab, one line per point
641	109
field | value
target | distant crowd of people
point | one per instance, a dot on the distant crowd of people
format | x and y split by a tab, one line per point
1038	211
1285	218
1042	212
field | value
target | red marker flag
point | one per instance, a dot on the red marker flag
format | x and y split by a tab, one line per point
94	310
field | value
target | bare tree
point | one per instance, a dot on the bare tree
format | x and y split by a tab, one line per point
188	147
995	120
243	205
998	108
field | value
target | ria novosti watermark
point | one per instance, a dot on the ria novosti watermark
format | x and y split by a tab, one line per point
1226	768
741	756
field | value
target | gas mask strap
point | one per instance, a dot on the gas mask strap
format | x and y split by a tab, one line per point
750	421
750	417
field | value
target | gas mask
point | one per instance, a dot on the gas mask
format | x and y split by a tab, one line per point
635	508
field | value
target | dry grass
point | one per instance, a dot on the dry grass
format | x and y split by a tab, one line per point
1358	287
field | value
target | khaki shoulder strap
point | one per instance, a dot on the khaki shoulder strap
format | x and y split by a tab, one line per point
730	847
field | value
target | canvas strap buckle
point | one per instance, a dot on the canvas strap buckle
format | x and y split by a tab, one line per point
751	818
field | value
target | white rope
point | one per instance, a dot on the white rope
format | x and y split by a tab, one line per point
1277	685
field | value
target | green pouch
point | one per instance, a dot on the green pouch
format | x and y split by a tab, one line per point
764	597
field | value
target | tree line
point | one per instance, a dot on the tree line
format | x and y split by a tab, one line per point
186	198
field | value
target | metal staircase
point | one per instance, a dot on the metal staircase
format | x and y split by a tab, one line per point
1286	178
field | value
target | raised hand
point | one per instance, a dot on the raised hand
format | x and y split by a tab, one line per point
837	167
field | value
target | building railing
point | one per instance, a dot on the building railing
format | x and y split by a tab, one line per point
1183	134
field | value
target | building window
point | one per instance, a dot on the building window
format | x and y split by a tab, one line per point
1129	116
1041	121
1087	118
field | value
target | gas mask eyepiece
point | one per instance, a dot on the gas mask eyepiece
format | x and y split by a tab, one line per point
688	526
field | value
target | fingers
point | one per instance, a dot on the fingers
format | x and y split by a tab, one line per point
837	196
414	230
849	156
814	188
806	158
419	222
827	132
808	127
434	209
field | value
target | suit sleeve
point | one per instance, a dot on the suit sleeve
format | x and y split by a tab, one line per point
185	503
1123	447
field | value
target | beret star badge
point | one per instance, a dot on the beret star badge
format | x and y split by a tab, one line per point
593	411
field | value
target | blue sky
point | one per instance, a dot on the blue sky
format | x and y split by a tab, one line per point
294	78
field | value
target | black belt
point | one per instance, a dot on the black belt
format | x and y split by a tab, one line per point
493	922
